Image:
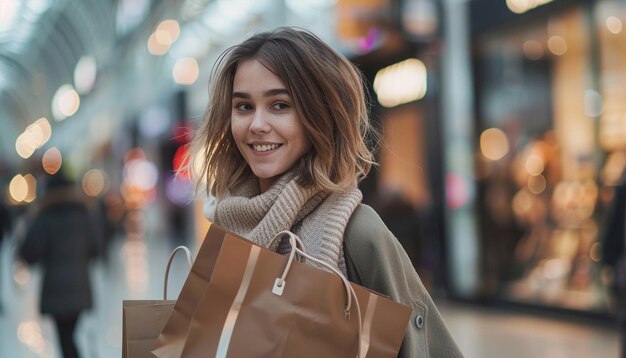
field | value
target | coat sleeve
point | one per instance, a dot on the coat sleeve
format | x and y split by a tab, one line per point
376	260
34	245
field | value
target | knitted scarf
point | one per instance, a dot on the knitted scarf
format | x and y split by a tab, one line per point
318	217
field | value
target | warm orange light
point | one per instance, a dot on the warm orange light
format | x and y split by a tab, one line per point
557	45
522	203
155	47
614	166
18	188
41	130
614	25
52	160
521	6
36	135
65	102
536	184
25	145
94	182
400	83
167	32
31	183
29	333
494	144
533	49
534	164
595	252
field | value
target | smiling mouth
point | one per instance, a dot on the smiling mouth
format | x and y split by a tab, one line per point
264	147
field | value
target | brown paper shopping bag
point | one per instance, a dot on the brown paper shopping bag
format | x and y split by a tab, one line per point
174	334
261	304
142	320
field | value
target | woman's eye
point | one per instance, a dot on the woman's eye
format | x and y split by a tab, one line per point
280	106
243	107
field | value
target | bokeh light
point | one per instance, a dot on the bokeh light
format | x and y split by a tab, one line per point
31	184
522	203
186	71
614	166
52	160
34	136
25	145
167	32
18	188
29	333
141	173
595	252
533	49
457	191
85	74
536	184
614	25
179	190
557	45
41	130
521	6
494	144
534	164
400	83
94	182
65	102
155	47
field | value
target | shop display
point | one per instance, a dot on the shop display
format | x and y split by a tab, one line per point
542	191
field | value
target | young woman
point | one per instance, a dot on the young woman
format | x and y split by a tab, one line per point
283	146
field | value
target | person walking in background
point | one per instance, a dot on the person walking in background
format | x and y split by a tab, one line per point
5	227
612	238
63	236
283	147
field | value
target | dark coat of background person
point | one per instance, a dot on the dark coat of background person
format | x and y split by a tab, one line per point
5	220
63	236
613	234
5	227
612	237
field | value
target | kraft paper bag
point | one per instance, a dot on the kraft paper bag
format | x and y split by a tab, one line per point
241	314
174	334
142	320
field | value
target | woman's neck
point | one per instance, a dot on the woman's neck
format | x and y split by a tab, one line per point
266	183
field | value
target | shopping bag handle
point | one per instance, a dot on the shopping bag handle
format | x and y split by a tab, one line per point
280	282
169	263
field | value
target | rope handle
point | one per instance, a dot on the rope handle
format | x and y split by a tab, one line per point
280	282
169	263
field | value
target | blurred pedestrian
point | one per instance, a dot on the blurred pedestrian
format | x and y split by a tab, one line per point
5	227
614	252
63	236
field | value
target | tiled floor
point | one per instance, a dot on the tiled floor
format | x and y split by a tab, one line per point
136	270
486	333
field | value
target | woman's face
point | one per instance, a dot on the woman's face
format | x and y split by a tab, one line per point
265	124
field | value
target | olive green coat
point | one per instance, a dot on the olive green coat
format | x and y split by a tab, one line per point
375	259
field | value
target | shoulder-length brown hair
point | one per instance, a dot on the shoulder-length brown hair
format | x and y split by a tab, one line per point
328	95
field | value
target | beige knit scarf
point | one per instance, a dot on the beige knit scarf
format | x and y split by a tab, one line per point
317	216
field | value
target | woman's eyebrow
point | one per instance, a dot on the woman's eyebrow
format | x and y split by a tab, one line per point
275	92
268	93
241	95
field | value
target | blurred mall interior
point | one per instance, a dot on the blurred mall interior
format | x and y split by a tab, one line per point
503	135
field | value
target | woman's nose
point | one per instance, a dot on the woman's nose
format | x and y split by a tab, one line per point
259	123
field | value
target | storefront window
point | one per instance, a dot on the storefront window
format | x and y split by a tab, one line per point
539	160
